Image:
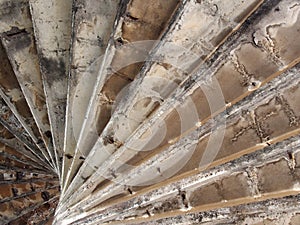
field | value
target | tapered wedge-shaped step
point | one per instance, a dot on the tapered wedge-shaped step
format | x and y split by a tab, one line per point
92	27
230	50
241	181
149	112
52	29
155	73
191	154
127	29
18	40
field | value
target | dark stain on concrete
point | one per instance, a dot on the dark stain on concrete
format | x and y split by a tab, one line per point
19	175
7	76
45	195
69	156
54	69
48	134
15	192
18	38
10	8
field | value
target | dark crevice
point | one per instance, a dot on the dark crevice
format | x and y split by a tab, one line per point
129	190
69	156
184	199
45	195
15	31
132	18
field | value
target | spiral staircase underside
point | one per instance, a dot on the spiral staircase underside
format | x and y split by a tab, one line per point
150	112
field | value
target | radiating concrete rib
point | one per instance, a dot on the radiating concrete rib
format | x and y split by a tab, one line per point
12	94
30	157
22	186
254	104
37	170
233	203
151	199
162	160
127	29
39	219
17	120
182	55
16	27
27	163
25	64
10	176
28	208
263	212
52	28
9	153
286	57
92	27
8	120
26	169
260	212
200	125
44	216
28	194
11	141
10	162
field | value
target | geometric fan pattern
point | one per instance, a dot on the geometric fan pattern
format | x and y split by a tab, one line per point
150	112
